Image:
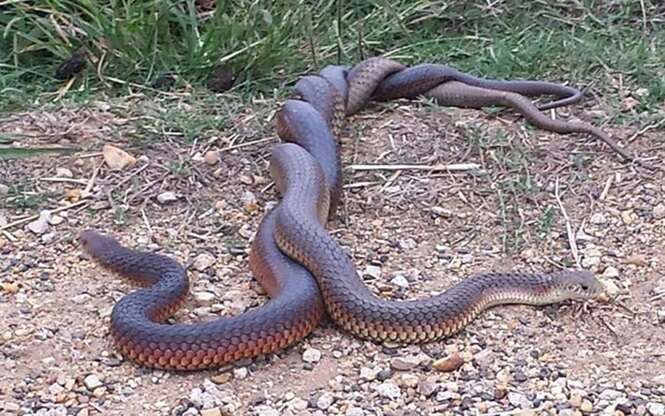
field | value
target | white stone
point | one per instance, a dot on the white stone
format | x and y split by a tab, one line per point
369	374
311	355
518	400
63	173
656	409
264	410
166	197
324	401
400	281
240	373
92	382
374	271
354	411
205	297
610	394
203	261
298	404
598	218
659	211
610	272
40	225
388	390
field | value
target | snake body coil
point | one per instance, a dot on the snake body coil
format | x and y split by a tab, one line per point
299	264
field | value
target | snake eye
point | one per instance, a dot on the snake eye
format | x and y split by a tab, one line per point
585	286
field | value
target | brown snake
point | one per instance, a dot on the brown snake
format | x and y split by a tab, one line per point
299	264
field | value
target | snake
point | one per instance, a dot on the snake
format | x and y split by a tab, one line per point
305	272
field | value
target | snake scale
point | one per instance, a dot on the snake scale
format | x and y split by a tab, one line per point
303	269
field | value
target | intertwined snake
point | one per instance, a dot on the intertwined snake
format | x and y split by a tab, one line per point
300	265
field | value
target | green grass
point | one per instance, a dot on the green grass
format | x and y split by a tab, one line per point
269	43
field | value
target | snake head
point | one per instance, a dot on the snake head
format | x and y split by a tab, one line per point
578	285
96	244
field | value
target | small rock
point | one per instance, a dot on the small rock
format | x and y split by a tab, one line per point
201	399
656	409
659	211
409	380
611	289
205	297
611	272
215	411
92	382
610	394
264	410
203	261
400	281
369	374
222	378
63	173
10	288
40	225
636	259
240	373
404	363
324	401
166	197
117	158
354	411
4	189
311	355
249	201
388	390
518	400
586	406
628	217
211	157
427	387
449	363
660	380
575	399
298	404
373	271
598	219
55	220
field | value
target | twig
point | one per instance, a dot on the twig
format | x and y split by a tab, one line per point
238	146
34	217
609	327
645	129
91	181
455	167
145	220
67	180
606	189
127	178
569	228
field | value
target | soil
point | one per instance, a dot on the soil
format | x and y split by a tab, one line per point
434	228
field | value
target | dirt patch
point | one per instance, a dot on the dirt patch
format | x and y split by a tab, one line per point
432	228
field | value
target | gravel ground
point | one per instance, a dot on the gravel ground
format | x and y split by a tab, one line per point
411	233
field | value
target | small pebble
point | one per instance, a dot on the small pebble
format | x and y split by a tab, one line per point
166	197
388	390
92	382
404	363
400	281
311	355
324	401
449	363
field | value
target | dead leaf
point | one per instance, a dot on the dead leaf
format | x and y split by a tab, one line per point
117	158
